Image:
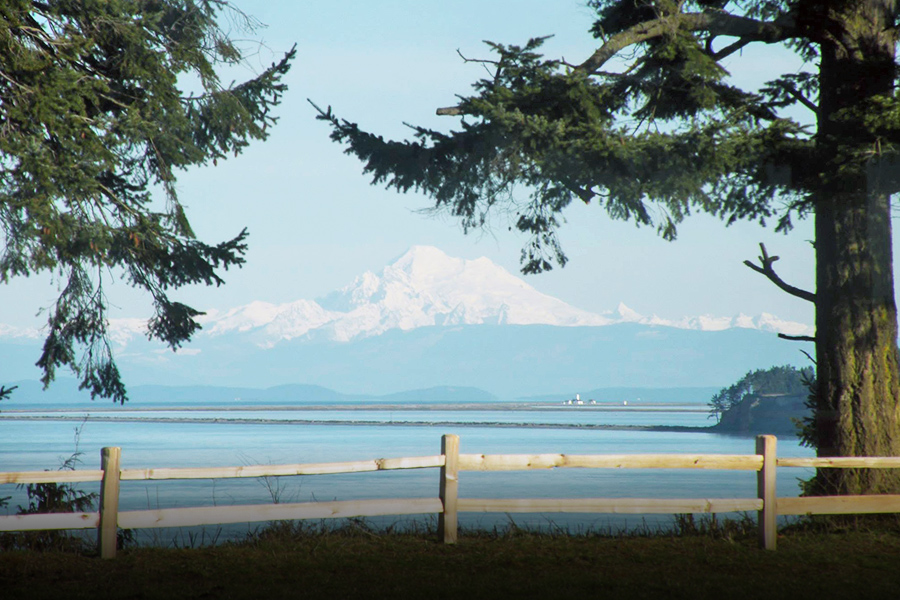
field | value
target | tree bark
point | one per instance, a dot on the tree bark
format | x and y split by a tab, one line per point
857	411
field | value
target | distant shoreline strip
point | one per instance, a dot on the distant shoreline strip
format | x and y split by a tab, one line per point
485	407
239	421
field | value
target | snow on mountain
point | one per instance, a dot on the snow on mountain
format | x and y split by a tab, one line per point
122	331
623	314
764	322
767	322
274	322
424	287
11	331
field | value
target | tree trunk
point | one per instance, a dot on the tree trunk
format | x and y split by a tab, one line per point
857	411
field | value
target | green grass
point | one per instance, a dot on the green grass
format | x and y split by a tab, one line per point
288	561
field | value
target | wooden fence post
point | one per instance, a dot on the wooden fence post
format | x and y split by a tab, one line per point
765	487
447	520
110	459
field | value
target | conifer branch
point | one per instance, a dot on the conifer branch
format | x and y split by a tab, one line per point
716	23
15	82
766	269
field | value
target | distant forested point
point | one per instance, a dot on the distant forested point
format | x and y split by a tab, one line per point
774	400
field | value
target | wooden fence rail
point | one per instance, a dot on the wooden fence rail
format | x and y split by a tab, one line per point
448	504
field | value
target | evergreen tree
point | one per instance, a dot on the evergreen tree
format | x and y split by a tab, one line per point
100	102
669	135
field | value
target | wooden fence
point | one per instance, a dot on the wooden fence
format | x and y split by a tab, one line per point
447	505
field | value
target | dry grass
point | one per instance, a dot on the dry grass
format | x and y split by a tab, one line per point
295	562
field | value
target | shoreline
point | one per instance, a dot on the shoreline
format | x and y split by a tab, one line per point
462	407
481	424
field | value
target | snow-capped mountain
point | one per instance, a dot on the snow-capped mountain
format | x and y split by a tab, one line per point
425	287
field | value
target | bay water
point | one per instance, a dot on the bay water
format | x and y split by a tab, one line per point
210	438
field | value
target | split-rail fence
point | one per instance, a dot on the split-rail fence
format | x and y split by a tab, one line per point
447	505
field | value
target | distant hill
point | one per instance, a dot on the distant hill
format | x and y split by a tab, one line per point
65	394
441	394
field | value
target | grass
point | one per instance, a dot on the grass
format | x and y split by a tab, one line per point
702	559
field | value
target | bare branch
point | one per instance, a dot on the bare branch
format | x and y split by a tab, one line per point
793	93
811	359
477	60
797	338
766	269
730	49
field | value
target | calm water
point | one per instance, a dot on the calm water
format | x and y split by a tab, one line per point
37	445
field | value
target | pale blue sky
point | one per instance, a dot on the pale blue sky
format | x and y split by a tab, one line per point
315	222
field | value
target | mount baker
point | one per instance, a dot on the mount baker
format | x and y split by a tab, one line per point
425	287
422	288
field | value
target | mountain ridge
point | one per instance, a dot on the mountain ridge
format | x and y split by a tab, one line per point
30	394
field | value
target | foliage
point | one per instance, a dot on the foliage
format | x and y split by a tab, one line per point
787	380
101	104
6	392
57	497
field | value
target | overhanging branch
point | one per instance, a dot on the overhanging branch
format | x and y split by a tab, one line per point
765	268
716	23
